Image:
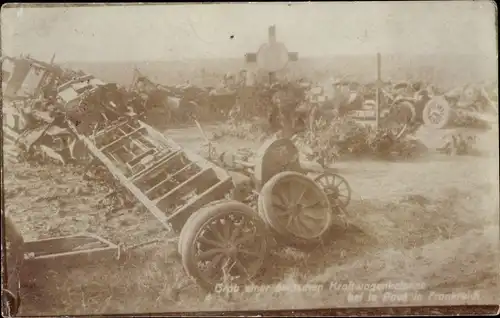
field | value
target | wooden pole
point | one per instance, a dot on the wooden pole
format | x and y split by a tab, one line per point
379	84
53	58
272	34
271	40
272	78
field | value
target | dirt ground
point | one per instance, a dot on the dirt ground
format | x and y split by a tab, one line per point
431	223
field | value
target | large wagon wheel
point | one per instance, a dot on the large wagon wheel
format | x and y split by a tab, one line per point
336	188
295	207
223	242
437	113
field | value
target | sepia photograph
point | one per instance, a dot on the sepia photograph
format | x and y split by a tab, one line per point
170	157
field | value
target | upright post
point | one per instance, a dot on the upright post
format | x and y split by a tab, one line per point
271	38
378	86
271	34
272	77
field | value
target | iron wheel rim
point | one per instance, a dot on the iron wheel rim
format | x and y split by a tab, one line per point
296	212
217	248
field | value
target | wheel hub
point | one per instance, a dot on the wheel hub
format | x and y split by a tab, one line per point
435	114
230	249
296	209
332	192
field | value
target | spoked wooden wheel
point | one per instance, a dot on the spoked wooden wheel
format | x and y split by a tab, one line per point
437	113
398	116
336	188
223	243
295	207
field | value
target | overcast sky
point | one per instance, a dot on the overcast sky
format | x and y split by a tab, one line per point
173	32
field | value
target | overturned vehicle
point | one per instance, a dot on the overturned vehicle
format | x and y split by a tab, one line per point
167	104
28	123
36	125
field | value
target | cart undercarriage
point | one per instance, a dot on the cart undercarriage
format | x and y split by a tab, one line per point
225	210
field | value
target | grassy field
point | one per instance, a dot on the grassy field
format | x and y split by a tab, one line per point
432	222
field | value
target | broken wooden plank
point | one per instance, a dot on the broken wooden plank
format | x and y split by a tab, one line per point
121	139
215	192
127	183
160	163
157	186
137	142
194	179
132	162
110	129
160	138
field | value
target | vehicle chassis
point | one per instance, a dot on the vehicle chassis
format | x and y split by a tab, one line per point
207	200
221	239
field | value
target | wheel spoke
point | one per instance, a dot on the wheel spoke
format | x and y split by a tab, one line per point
342	187
245	238
214	265
307	225
235	233
325	180
315	204
215	230
340	181
331	179
290	220
299	198
208	241
282	198
279	205
312	214
210	254
241	268
226	231
300	227
225	263
322	182
282	213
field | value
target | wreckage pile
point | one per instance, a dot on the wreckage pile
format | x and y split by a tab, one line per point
331	121
345	138
325	116
45	108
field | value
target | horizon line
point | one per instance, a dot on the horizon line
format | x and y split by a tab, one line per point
243	59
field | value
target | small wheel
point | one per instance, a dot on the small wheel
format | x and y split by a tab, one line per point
223	242
336	188
295	207
437	113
